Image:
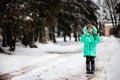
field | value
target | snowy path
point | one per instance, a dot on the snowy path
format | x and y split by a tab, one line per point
64	61
107	63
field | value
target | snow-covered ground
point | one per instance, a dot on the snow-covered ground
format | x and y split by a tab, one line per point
62	61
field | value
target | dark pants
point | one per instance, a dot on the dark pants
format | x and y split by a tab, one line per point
90	63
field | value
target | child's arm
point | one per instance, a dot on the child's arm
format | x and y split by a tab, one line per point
84	38
97	38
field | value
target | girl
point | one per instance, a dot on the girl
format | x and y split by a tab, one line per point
90	38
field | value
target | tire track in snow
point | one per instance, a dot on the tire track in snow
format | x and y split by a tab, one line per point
27	69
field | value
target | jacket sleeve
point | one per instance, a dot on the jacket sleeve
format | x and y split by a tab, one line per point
84	38
94	29
97	38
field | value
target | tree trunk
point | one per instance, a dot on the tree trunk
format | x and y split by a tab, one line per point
44	35
8	38
52	34
114	13
54	38
4	40
110	13
40	35
75	36
69	36
64	35
32	43
12	43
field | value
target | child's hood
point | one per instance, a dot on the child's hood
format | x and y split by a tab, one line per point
94	30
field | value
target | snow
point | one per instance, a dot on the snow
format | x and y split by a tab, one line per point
62	61
113	67
52	70
28	18
13	63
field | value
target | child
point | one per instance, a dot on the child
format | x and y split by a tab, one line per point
90	38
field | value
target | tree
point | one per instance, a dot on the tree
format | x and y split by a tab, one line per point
77	13
29	21
117	29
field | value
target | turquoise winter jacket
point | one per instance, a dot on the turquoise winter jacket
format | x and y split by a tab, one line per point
90	41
